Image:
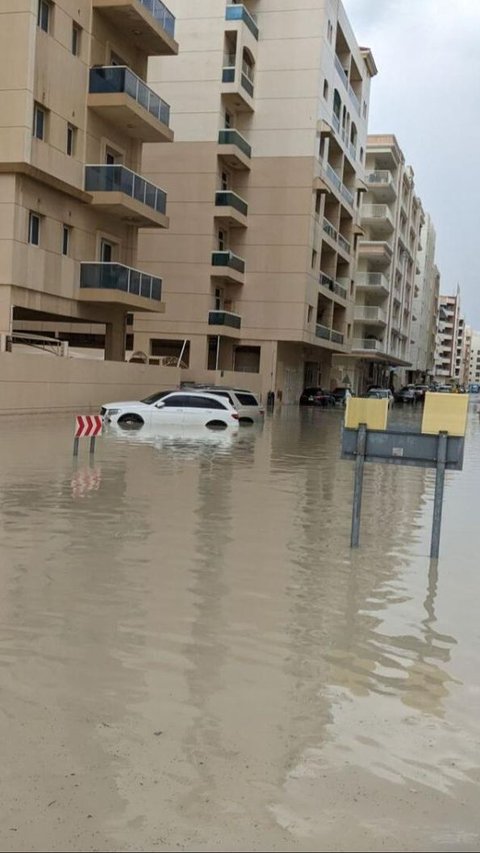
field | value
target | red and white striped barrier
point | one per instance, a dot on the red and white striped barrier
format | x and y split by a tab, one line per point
86	426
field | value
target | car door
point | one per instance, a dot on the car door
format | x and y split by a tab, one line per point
169	410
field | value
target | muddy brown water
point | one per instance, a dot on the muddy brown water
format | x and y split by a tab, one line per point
192	658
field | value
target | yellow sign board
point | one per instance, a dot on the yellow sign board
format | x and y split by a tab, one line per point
445	413
361	410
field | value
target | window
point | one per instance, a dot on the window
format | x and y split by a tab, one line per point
309	313
329	31
318	201
106	251
66	240
222	241
325	89
76	39
314	258
34	229
246	399
225	180
71	139
39	122
44	18
228	119
203	403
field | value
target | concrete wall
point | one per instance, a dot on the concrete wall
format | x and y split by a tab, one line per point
35	383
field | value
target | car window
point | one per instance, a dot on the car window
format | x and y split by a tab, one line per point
246	399
176	400
154	397
222	394
198	402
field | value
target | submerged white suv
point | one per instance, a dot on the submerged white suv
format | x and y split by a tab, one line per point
182	408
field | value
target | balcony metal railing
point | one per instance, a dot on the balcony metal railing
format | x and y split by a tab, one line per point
228	259
238	12
328	334
119	78
159	11
224	318
227	198
331	284
112	276
112	178
346	246
370	312
330	229
229	136
367	344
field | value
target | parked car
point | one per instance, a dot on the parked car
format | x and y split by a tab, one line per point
381	394
173	407
339	394
443	389
316	397
244	402
406	395
420	391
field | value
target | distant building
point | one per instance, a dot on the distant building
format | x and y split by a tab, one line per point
474	360
424	309
450	346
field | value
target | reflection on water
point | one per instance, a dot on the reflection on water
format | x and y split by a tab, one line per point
191	654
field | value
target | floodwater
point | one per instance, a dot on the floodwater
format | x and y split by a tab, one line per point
191	657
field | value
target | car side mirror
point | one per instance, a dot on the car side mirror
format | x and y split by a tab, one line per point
159	405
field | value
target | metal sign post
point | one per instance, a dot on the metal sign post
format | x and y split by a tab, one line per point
365	438
358	485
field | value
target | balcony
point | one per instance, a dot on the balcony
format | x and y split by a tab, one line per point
117	283
238	12
337	183
228	267
332	285
369	345
126	195
370	315
329	334
230	209
119	96
378	217
234	149
147	24
373	282
344	78
224	318
375	250
332	232
237	85
382	184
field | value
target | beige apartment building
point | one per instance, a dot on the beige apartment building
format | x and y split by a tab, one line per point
474	357
448	351
425	308
391	222
75	111
270	106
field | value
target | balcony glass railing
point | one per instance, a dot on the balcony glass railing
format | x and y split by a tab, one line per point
113	276
380	176
331	284
372	279
370	312
224	318
239	12
335	179
228	259
344	78
159	11
370	344
330	229
227	198
376	211
247	79
118	78
229	136
120	179
336	122
328	334
347	195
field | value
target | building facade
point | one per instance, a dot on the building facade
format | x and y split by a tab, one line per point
448	352
76	111
474	358
263	180
391	221
425	309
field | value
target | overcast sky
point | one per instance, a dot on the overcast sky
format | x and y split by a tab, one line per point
427	92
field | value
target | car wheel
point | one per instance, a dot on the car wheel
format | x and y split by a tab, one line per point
245	421
216	425
131	420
